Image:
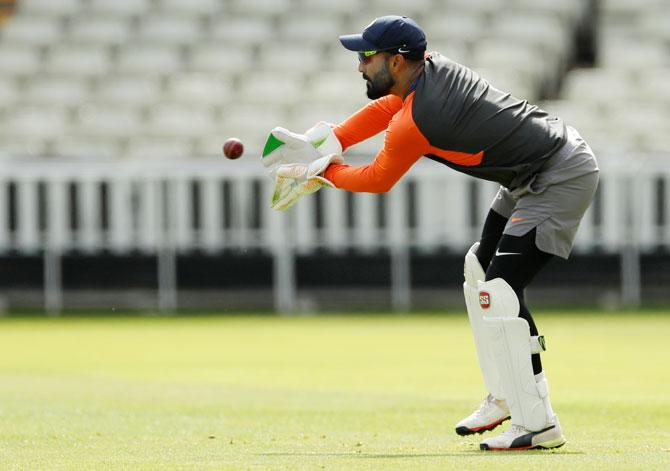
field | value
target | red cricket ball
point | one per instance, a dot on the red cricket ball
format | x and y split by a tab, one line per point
233	148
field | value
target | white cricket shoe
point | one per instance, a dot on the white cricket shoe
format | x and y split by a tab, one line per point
491	413
519	438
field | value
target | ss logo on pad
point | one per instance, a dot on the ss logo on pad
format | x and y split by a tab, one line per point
484	300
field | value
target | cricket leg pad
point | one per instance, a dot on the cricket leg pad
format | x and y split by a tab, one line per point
512	345
474	273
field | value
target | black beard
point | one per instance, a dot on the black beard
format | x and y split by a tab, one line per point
381	85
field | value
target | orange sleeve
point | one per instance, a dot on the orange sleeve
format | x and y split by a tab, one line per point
403	146
368	121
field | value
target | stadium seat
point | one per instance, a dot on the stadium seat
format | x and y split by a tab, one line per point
251	123
19	59
99	30
341	88
152	59
49	7
9	92
36	122
545	31
341	8
212	58
19	146
169	29
143	148
312	28
510	81
199	89
108	121
69	146
597	85
627	53
287	57
179	120
191	7
512	55
268	89
571	12
261	8
457	51
78	59
118	8
56	91
240	31
34	30
484	8
131	90
457	26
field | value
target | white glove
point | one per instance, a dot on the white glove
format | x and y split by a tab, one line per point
322	137
286	147
293	181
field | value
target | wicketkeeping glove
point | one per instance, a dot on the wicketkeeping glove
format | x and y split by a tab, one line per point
301	158
293	181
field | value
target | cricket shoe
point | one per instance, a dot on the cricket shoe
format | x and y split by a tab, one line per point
519	438
491	413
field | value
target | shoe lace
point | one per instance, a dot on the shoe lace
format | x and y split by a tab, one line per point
513	431
485	404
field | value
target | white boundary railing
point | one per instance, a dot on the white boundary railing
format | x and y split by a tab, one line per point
165	208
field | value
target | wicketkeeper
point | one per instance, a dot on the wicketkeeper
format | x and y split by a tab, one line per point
431	106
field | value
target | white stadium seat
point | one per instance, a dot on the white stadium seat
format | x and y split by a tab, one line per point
455	50
49	7
512	55
148	58
289	57
99	30
170	29
159	148
343	8
78	59
218	59
191	7
315	28
627	53
19	59
69	146
9	92
534	28
31	29
122	8
109	122
266	88
454	26
57	91
261	7
571	12
36	122
19	146
510	81
132	90
251	123
598	85
180	120
229	33
199	89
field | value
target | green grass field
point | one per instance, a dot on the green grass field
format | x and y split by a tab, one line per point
377	392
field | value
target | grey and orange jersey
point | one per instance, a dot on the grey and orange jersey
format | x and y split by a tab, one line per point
455	117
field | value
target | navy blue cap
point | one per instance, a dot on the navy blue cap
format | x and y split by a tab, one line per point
388	33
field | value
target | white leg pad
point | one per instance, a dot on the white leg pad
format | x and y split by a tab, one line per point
511	345
474	273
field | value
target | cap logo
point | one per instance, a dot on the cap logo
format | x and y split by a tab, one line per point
484	300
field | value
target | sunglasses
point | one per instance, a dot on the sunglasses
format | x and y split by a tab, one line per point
366	56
